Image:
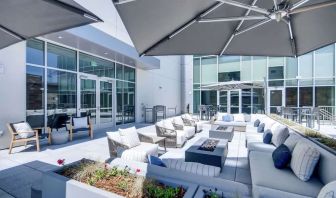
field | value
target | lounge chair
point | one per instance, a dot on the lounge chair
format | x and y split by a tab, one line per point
22	133
174	137
80	124
190	121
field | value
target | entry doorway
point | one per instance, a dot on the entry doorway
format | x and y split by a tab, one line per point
276	99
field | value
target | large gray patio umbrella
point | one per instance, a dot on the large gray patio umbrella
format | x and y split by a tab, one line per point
232	27
23	19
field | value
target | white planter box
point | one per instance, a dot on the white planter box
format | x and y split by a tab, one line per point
58	186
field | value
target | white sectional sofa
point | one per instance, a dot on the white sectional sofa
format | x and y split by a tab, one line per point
268	181
238	121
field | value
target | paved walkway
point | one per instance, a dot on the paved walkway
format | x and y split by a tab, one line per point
20	170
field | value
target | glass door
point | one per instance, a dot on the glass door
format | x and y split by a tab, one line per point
275	100
106	102
88	98
235	101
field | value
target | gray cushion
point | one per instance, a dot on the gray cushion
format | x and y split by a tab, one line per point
280	134
264	174
261	128
259	146
291	141
304	160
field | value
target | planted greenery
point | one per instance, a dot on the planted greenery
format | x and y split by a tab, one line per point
123	182
330	142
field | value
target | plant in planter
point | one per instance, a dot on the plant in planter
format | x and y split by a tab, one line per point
124	182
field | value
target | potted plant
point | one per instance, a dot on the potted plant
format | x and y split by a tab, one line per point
87	178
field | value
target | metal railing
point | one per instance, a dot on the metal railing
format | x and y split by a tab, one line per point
328	114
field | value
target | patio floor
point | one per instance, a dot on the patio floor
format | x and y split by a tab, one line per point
25	166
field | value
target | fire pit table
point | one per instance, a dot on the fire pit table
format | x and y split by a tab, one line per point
221	132
208	151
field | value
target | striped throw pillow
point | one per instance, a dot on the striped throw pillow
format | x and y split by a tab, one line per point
304	160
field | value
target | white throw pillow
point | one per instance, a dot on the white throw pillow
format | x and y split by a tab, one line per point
129	137
328	191
239	117
81	122
168	124
280	133
304	160
24	130
268	124
179	121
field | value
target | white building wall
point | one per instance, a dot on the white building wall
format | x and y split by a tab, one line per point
12	88
187	83
159	87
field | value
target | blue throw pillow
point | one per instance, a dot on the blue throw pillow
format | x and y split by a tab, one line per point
281	157
227	118
256	123
155	161
261	127
267	137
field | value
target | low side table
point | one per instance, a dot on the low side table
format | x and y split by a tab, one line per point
157	140
221	132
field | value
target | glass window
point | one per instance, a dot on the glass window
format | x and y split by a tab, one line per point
119	115
246	68
306	96
120	71
324	66
291	68
35	52
35	96
234	101
129	102
259	68
196	71
209	98
276	61
106	103
229	76
129	74
88	98
96	66
246	101
306	69
196	101
275	73
291	97
258	100
62	58
209	70
223	101
62	94
324	96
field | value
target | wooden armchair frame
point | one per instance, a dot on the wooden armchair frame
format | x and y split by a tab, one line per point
71	128
15	138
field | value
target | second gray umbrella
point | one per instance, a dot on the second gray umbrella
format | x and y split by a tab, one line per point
232	27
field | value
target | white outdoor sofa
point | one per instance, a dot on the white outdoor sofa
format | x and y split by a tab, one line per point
268	181
119	148
238	121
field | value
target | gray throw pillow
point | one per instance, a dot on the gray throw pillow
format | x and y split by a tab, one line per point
280	134
304	160
291	141
260	128
256	123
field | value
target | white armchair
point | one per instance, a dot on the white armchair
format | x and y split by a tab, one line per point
126	144
190	121
179	125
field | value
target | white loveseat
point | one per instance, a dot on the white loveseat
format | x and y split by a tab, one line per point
238	121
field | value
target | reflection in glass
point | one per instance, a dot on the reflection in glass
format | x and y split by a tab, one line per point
259	68
246	101
35	52
258	101
306	96
234	96
129	102
105	102
129	74
209	98
119	71
223	101
246	68
291	71
196	101
229	76
88	98
291	97
35	96
96	66
196	71
119	111
275	100
274	76
324	96
306	69
209	70
62	92
62	58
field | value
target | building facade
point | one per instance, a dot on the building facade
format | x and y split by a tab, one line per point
308	80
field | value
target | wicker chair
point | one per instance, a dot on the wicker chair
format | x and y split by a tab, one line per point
174	138
179	125
188	120
138	153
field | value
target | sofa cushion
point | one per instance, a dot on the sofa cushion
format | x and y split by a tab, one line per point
267	137
304	160
81	122
189	131
280	134
129	137
192	167
155	161
328	191
264	174
233	123
260	146
256	123
139	153
181	137
23	129
281	156
239	117
268	123
261	128
291	140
